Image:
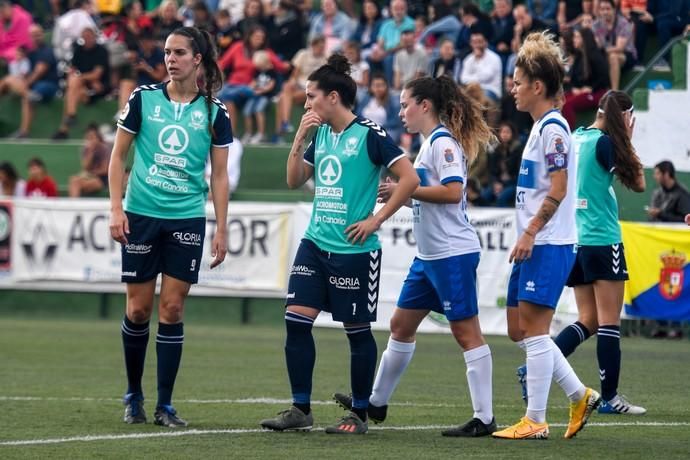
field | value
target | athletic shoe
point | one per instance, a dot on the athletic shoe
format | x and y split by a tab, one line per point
286	127
134	408
475	428
620	405
524	429
522	380
377	414
256	139
291	419
349	424
580	412
245	138
167	416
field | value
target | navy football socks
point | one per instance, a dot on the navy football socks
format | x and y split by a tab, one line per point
571	337
362	367
169	350
135	338
609	356
300	356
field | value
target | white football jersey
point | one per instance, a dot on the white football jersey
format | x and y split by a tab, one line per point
548	149
442	230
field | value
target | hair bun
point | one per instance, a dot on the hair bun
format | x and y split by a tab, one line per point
339	63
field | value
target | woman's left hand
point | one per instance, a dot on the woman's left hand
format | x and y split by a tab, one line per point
219	247
360	231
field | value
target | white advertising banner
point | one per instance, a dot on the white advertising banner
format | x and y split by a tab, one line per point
69	241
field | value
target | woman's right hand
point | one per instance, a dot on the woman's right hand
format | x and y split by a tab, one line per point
310	120
119	226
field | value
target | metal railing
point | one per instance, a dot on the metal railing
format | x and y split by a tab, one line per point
661	53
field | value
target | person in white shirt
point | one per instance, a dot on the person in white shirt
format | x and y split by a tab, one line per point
545	250
442	276
482	66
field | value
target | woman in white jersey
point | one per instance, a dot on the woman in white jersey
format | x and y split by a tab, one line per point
442	277
545	251
603	151
161	225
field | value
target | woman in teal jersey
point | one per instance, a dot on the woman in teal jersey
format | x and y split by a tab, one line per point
337	266
598	276
161	224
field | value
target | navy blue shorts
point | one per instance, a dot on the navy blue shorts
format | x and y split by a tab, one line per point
170	246
598	263
447	286
345	285
540	279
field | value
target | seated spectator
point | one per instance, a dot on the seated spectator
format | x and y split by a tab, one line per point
636	12
11	185
670	201
148	67
367	31
40	184
69	27
332	24
359	68
20	66
428	43
543	10
285	30
235	152
503	23
473	21
444	22
264	86
672	17
381	106
614	34
447	63
389	40
303	64
509	112
525	24
252	16
504	165
474	195
202	17
41	84
482	66
237	62
166	20
589	76
122	42
410	61
14	32
225	31
88	79
95	157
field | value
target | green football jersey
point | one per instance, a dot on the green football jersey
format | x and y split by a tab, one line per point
171	146
346	175
596	207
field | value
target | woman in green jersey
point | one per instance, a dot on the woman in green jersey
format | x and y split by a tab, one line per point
161	225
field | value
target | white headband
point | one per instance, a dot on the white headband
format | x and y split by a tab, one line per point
632	108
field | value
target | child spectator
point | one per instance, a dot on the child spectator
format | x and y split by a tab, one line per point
21	66
447	63
264	86
40	184
224	31
11	185
359	68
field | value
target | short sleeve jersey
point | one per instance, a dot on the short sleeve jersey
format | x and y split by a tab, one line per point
171	147
596	205
442	230
346	175
548	150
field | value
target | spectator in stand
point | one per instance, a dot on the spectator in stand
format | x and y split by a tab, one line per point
264	86
285	30
504	165
20	66
359	68
69	28
367	31
636	12
614	34
544	11
447	63
234	7
41	84
202	18
525	24
166	20
14	30
88	79
225	31
332	24
522	120
304	63
95	157
444	22
672	17
503	24
473	20
389	43
410	62
482	66
237	62
381	106
122	42
589	76
670	201
253	16
474	195
235	152
40	184
11	185
148	67
569	13
136	17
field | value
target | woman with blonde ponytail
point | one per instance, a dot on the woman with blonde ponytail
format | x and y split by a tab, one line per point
442	277
545	250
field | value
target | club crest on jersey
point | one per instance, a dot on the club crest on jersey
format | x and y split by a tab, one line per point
197	120
351	146
560	147
448	155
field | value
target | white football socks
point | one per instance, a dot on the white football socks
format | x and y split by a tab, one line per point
540	365
565	376
394	361
479	374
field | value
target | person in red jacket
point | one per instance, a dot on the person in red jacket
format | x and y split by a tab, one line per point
40	184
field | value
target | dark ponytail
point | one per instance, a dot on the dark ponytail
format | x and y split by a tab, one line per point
461	114
202	43
335	76
611	108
